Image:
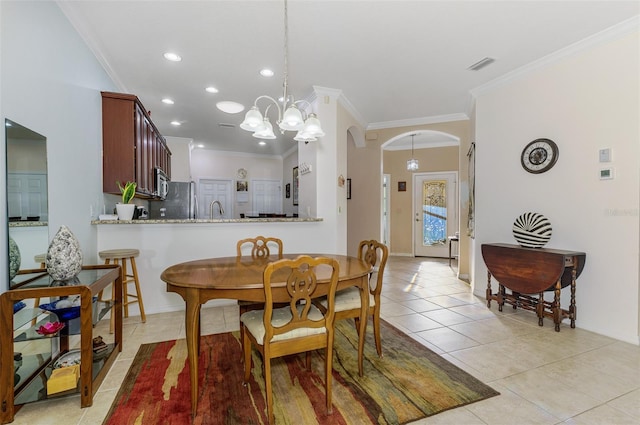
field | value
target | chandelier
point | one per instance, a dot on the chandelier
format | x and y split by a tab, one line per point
307	126
412	164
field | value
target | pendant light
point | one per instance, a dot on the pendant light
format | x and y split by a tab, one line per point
412	164
307	126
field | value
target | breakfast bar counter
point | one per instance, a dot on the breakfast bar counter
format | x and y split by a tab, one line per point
163	243
213	220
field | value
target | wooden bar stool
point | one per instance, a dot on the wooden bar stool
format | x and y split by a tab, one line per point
41	258
120	257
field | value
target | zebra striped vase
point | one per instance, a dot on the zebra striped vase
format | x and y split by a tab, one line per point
532	230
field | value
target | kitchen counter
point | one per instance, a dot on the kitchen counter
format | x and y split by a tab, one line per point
215	220
28	223
163	243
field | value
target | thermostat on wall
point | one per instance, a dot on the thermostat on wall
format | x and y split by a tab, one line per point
606	173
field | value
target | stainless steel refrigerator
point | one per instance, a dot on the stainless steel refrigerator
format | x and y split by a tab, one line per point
181	203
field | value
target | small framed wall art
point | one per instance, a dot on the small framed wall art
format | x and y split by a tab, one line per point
295	185
242	186
348	188
402	186
287	190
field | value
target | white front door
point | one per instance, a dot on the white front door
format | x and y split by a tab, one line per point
267	196
435	212
210	190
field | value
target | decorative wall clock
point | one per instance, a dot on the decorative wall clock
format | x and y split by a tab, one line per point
539	156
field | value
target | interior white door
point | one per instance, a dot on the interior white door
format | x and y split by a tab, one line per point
210	190
435	212
267	196
27	195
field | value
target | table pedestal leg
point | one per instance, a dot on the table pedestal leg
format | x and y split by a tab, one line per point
540	308
488	293
362	331
557	311
192	328
501	296
572	306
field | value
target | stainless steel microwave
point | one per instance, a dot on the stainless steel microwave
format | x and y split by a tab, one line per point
161	186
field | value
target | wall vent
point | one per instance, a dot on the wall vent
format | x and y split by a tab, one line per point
226	125
481	64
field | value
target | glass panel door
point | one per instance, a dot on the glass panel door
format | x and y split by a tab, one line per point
435	213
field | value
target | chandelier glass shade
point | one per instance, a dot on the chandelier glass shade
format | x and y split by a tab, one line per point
308	126
412	164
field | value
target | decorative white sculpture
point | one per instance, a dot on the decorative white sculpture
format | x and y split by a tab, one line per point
64	257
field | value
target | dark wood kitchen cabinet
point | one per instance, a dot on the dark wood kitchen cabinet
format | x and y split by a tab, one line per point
132	146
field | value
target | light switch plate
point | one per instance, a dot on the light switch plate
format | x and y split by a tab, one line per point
604	155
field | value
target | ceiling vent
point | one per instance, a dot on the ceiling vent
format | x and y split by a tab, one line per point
481	64
226	125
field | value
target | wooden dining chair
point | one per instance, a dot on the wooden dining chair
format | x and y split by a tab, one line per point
259	247
256	248
348	303
300	327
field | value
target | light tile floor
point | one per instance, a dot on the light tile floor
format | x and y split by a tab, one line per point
544	377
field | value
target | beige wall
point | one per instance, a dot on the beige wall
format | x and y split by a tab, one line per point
288	162
210	164
365	170
180	148
363	209
584	102
27	156
402	217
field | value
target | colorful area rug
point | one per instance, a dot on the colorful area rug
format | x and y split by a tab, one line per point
410	382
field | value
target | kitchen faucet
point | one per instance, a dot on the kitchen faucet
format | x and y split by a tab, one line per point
220	209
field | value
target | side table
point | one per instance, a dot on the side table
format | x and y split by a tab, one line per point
452	239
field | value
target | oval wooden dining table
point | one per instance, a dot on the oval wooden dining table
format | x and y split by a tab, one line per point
240	278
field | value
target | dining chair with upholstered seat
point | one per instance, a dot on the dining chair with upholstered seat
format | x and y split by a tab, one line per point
300	326
259	247
348	303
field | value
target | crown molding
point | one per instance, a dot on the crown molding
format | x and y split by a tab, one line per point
609	34
77	23
418	121
340	97
247	154
422	145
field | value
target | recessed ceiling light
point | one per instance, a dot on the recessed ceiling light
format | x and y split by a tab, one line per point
211	89
176	123
167	101
266	72
200	145
230	107
172	57
262	143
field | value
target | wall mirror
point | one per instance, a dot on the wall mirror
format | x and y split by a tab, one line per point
27	195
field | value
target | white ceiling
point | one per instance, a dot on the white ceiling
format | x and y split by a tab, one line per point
394	61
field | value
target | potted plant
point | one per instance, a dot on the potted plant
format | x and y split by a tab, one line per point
126	208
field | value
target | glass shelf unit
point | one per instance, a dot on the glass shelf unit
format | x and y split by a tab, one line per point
27	380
